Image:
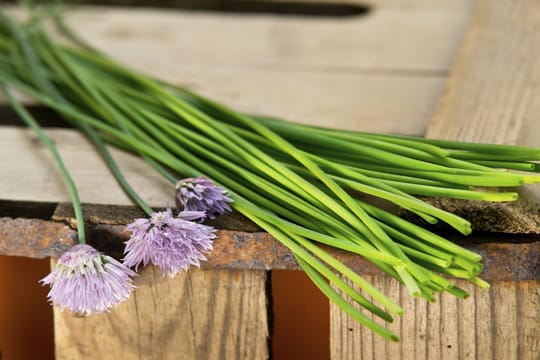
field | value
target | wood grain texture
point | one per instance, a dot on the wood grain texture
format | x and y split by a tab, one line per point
29	172
499	323
203	314
351	101
425	38
492	97
343	69
259	64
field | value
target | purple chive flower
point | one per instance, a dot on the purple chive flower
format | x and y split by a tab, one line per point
85	281
171	243
200	194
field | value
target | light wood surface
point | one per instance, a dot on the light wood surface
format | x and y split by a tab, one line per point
499	323
491	96
423	38
339	73
334	72
30	174
197	315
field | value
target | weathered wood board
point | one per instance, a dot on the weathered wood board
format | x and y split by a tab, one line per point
344	70
499	323
216	314
490	97
267	63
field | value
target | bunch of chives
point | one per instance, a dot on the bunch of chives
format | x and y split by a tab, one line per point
295	181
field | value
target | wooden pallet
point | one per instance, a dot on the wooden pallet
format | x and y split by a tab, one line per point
389	70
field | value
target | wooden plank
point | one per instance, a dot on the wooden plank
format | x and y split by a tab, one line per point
423	39
29	172
197	315
240	245
500	323
491	93
483	310
490	97
257	74
354	102
467	316
527	331
344	70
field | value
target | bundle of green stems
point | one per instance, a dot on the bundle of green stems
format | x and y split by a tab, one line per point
297	182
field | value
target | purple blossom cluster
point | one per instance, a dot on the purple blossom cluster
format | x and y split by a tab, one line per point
201	194
85	281
176	243
171	243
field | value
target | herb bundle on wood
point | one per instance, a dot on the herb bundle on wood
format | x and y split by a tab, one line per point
297	182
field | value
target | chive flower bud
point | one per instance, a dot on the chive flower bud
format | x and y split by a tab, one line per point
171	243
201	194
86	281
